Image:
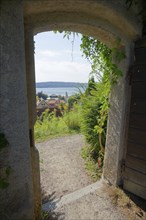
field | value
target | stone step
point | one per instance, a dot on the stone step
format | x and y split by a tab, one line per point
64	200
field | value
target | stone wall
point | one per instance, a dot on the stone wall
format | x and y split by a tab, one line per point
16	191
118	119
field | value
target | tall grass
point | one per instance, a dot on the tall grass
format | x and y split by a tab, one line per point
72	118
49	125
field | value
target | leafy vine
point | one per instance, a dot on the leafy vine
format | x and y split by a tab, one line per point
107	74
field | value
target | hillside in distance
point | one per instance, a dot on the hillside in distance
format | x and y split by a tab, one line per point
59	84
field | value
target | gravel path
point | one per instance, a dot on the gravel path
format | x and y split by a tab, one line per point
62	168
68	192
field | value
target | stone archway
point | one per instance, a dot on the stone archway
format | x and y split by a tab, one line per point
20	20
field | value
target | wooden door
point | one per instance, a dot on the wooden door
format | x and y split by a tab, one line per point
135	164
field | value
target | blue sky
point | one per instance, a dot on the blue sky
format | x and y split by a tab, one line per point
53	59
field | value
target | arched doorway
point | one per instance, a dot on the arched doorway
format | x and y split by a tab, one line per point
89	18
106	21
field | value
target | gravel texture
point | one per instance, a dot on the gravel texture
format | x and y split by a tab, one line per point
62	168
68	193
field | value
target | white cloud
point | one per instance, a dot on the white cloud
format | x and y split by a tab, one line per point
74	52
54	65
62	71
53	59
62	54
49	53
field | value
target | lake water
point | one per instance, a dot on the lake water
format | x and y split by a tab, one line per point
58	91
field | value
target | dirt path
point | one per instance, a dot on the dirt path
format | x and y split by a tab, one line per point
70	194
62	168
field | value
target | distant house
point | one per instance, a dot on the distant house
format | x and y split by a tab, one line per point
53	103
49	104
42	104
53	96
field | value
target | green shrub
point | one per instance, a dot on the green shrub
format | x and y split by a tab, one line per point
48	125
94	124
72	118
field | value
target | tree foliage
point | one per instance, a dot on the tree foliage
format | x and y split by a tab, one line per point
74	99
42	95
91	86
95	102
106	73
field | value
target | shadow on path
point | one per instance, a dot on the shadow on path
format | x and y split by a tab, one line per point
51	205
141	203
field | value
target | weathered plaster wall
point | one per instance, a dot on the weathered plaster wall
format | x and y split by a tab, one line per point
16	200
117	122
106	20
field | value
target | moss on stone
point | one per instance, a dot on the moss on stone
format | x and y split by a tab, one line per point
3	141
3	183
